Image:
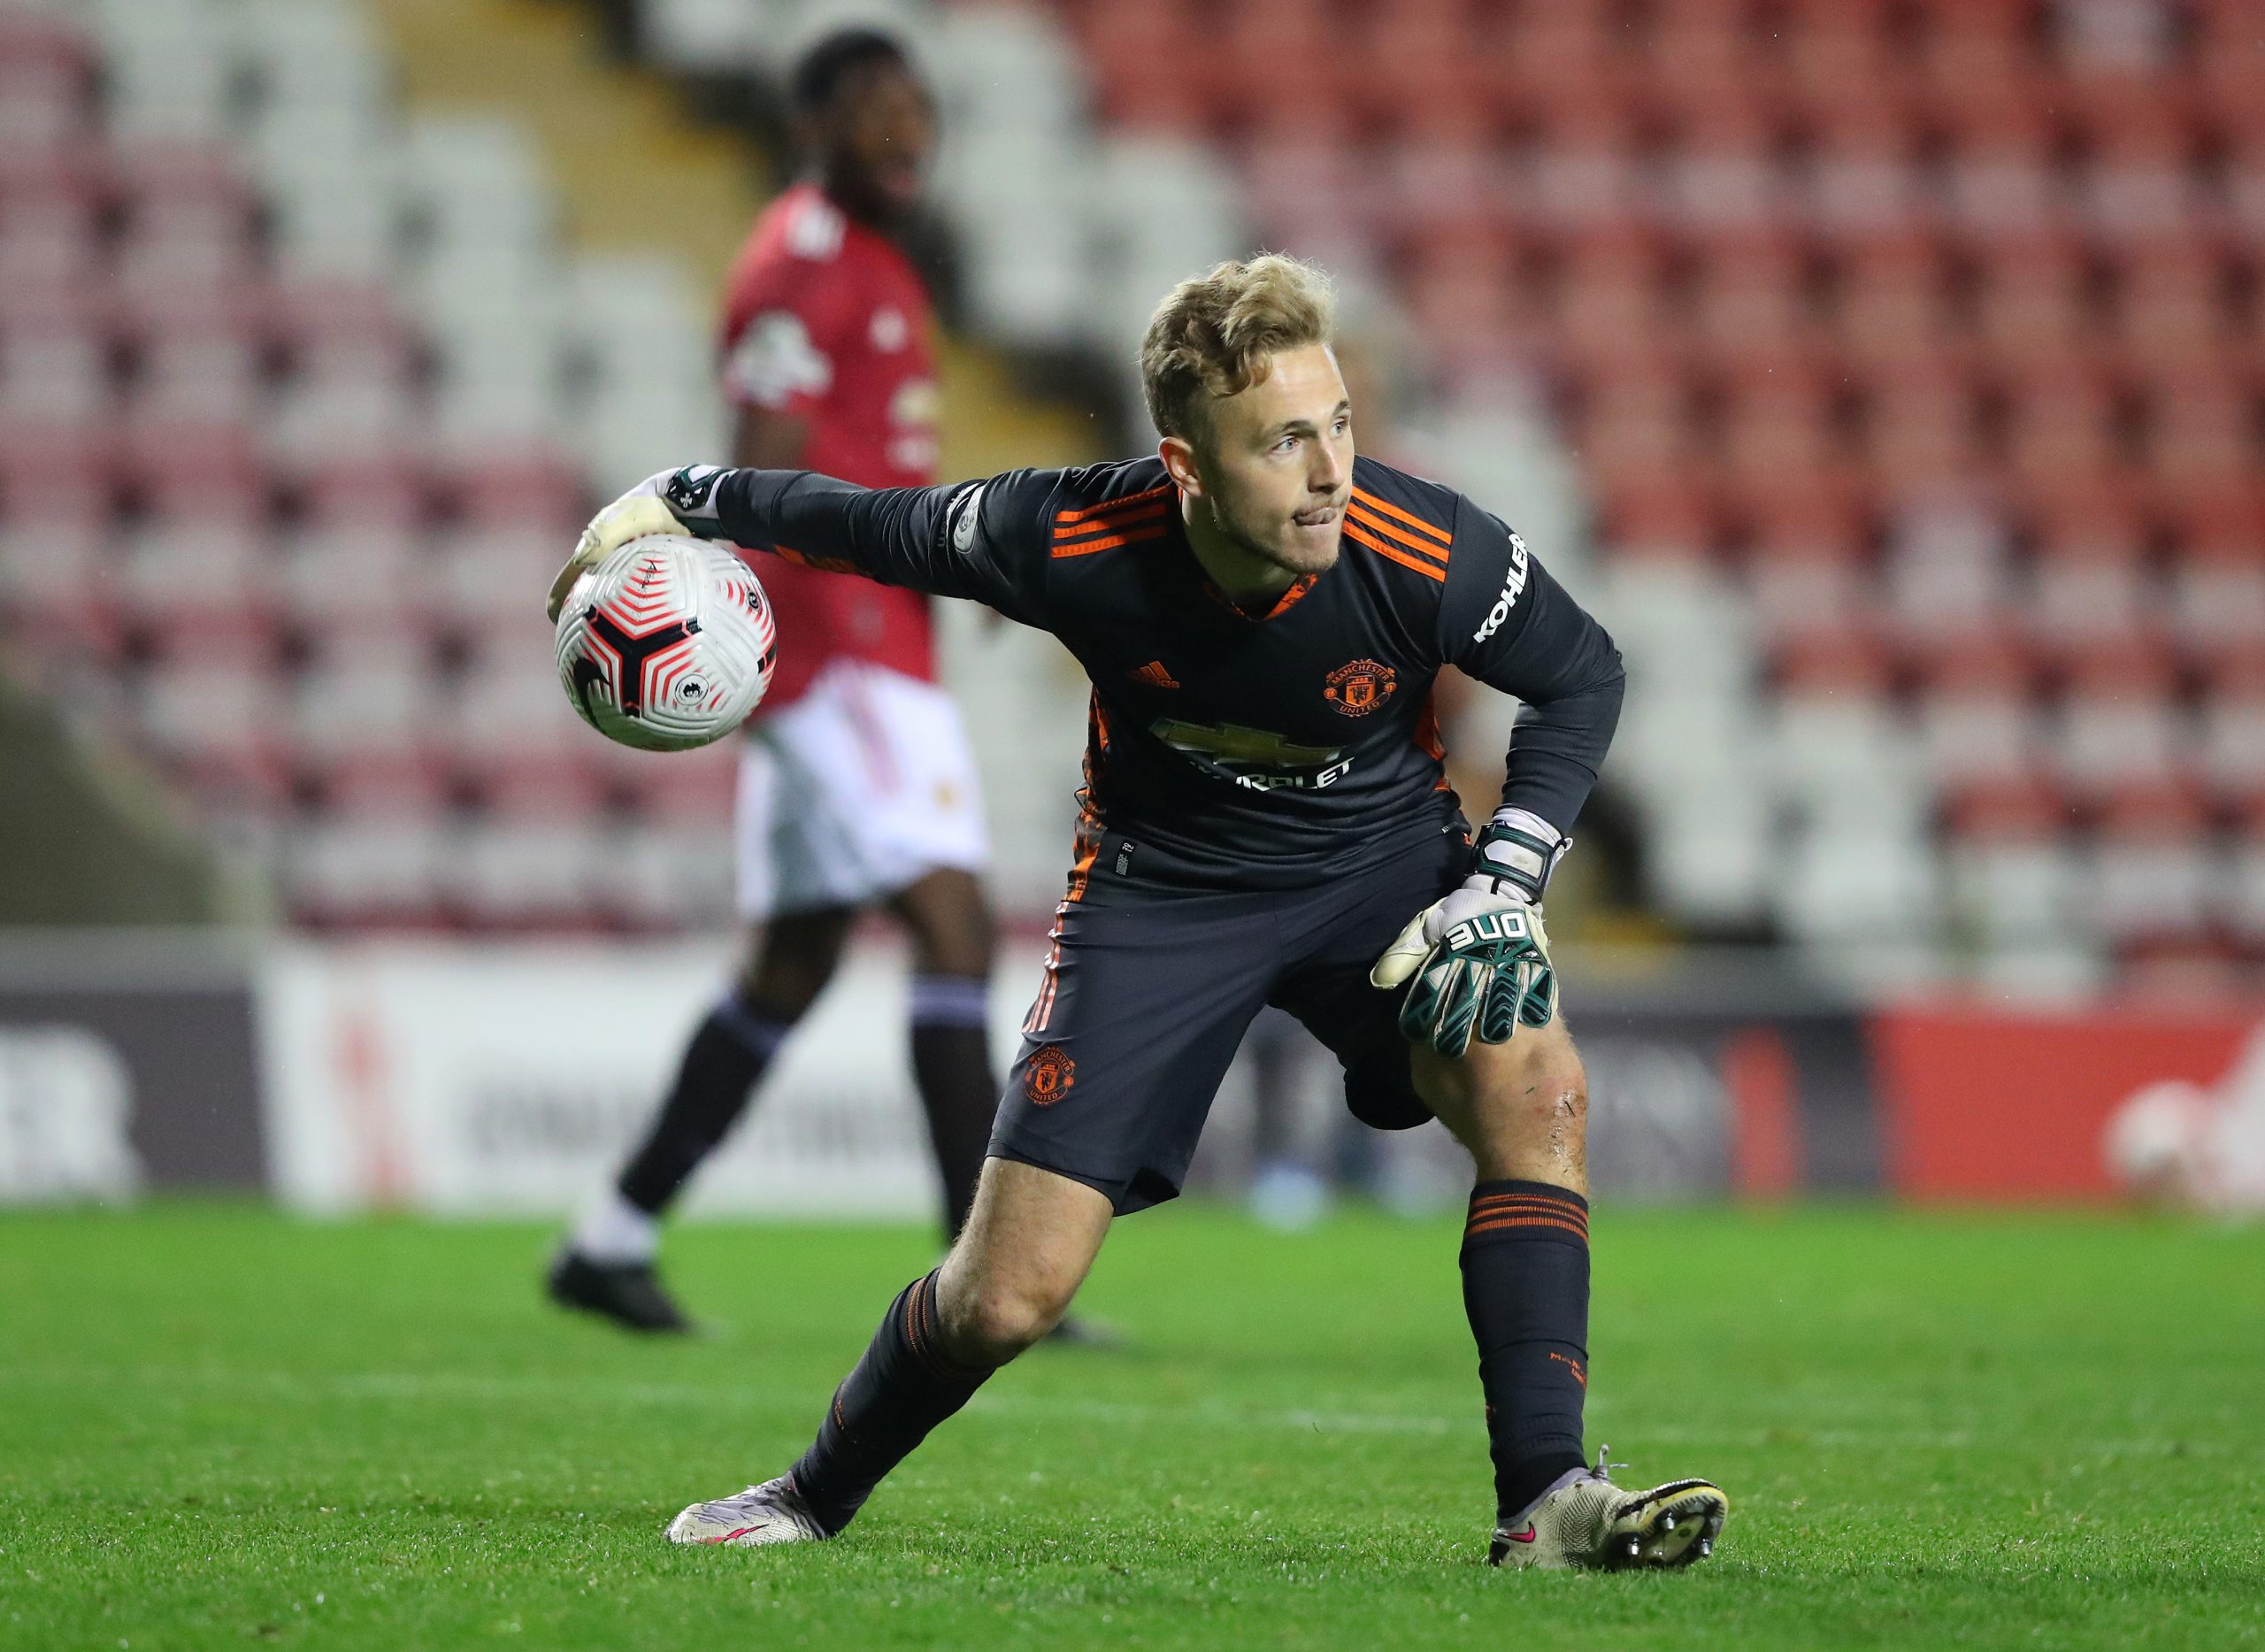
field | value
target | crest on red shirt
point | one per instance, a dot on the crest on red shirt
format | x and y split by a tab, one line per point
1358	688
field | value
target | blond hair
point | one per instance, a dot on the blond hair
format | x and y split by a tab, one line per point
1213	335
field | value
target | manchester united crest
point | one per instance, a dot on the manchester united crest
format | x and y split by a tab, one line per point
1358	688
1048	1075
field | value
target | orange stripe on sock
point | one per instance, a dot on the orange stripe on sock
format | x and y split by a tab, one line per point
1525	1221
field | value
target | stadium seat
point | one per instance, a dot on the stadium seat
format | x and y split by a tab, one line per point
2150	872
1889	293
2015	878
46	80
1781	420
1723	173
2217	590
1999	177
2088	582
669	876
1978	723
2063	427
2202	429
2119	727
2171	308
507	876
2138	178
1920	428
1752	295
2033	305
1608	305
368	869
1859	177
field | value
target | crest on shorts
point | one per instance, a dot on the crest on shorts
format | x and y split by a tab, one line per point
1048	1075
1359	687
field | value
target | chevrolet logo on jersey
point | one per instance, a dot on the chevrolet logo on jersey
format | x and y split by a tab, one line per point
1253	757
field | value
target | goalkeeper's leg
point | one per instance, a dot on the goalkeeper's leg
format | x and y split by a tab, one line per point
1026	1248
1521	1108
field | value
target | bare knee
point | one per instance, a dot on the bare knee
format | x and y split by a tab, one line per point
1520	1107
992	1321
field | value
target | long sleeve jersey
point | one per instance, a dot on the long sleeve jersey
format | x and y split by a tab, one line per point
1235	749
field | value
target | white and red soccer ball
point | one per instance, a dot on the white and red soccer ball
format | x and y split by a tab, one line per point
666	644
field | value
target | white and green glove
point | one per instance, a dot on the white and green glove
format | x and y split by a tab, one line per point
681	502
1477	962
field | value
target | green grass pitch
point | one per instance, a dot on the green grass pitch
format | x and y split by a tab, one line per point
220	1427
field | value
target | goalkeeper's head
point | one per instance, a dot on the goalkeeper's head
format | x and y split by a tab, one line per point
864	121
1253	421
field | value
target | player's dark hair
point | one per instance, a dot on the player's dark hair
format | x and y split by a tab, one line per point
833	59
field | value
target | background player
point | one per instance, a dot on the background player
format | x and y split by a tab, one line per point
1261	619
858	787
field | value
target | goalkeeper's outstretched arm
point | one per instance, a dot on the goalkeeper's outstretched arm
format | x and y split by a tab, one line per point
953	541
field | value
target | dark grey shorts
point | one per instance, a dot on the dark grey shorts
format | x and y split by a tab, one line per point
1147	996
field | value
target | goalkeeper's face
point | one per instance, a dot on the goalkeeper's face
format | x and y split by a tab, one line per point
1276	461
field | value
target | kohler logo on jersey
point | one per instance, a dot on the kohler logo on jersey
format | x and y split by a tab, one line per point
1512	589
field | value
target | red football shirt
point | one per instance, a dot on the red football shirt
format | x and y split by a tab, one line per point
826	320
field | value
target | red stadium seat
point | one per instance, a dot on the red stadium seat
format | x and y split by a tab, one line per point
1610	298
1753	294
2119	727
1725	171
1845	51
1860	176
1803	582
1636	423
1979	52
2217	596
1588	165
2089	583
2062	428
46	76
2033	305
2172	303
1781	420
1890	298
1920	427
2202	428
2000	176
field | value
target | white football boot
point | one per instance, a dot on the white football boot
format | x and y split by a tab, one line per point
1585	1520
773	1512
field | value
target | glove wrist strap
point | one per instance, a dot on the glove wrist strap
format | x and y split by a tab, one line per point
692	497
1515	853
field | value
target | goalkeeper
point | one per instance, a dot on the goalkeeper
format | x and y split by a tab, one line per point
1265	819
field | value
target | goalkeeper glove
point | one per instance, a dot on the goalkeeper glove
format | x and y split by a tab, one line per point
681	502
1479	957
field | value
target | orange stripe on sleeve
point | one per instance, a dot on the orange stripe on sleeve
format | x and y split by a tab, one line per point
1353	531
1100	524
1107	505
1369	520
1085	546
1387	507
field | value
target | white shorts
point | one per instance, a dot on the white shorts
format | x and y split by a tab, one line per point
860	787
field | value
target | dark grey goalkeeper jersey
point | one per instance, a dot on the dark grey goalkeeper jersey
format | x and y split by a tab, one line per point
1230	749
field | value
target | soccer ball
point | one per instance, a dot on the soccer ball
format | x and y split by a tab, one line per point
666	644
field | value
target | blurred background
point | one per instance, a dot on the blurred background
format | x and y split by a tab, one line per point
1886	373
